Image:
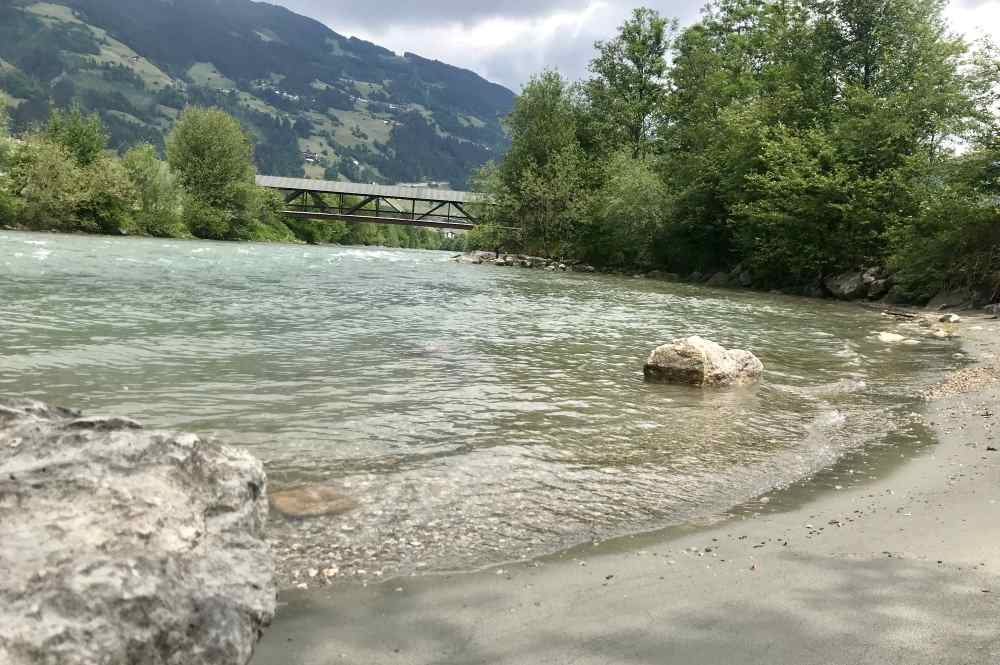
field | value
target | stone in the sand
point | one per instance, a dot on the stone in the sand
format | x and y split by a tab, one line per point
700	362
121	545
311	501
950	318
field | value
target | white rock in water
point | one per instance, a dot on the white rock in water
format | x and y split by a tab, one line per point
890	338
121	545
950	318
700	362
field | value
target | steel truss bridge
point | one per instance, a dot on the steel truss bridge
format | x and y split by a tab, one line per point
379	204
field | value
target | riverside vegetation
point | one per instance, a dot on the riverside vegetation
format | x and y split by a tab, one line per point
61	177
786	142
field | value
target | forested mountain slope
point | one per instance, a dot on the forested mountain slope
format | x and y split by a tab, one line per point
317	103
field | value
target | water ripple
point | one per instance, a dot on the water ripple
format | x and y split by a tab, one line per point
484	413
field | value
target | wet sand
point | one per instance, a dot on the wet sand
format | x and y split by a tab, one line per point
901	569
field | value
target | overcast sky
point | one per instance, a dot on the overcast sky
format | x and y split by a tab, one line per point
509	40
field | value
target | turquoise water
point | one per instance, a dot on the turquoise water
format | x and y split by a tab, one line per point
476	414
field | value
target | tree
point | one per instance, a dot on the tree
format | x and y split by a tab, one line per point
8	203
212	157
553	200
538	185
627	214
83	135
630	76
542	124
46	180
108	199
160	197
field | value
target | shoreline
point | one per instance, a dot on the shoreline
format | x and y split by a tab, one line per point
903	569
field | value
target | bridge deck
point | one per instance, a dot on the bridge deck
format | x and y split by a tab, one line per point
358	189
380	204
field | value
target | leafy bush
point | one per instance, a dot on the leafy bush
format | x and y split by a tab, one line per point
626	215
954	241
205	221
83	135
8	202
317	232
46	179
212	157
160	197
108	198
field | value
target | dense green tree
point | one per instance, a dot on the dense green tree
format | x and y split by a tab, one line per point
160	196
540	185
82	134
626	215
629	85
954	241
542	125
212	157
108	198
46	179
795	138
553	198
8	202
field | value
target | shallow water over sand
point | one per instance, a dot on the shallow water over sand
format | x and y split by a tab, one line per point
475	414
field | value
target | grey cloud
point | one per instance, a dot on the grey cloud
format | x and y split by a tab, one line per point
568	53
375	13
406	19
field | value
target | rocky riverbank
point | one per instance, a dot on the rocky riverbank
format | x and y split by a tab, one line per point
122	545
870	285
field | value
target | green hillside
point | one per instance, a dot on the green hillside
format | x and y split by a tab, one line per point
317	103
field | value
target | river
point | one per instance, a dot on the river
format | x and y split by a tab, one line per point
476	414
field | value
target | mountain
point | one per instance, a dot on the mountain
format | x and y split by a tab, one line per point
317	103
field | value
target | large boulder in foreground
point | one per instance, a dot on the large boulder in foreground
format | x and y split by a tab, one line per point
120	545
699	362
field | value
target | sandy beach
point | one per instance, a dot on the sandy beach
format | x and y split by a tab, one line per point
894	561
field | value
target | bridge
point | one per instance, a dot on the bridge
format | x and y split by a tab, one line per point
379	204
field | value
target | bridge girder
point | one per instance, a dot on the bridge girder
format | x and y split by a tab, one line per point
353	203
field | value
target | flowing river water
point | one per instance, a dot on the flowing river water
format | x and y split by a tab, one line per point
475	414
